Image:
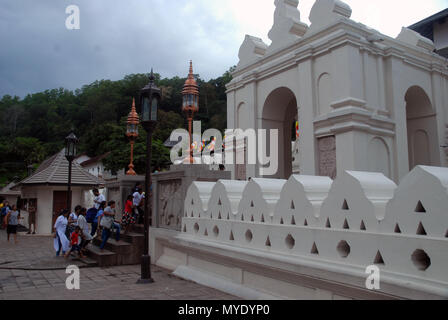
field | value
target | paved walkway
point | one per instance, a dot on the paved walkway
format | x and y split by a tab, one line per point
30	270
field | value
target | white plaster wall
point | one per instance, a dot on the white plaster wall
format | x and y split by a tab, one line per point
347	227
335	67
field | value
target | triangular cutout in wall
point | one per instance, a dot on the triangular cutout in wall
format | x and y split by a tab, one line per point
232	238
314	249
252	219
345	205
192	202
363	226
206	233
397	229
420	208
379	259
192	214
219	202
346	226
252	204
262	219
328	224
293	207
421	230
293	221
268	242
305	223
185	228
228	216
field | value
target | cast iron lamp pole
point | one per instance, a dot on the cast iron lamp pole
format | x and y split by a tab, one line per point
150	97
70	153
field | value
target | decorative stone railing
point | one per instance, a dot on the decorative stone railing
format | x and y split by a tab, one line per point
360	219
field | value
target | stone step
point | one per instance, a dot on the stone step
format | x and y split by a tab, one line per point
119	247
104	258
133	238
89	262
138	228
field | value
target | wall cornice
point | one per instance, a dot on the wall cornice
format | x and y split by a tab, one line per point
353	119
341	33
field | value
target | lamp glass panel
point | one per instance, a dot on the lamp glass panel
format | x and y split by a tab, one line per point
146	109
154	107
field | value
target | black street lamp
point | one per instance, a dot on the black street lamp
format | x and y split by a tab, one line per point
150	97
70	153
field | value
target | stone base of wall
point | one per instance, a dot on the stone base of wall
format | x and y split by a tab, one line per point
253	274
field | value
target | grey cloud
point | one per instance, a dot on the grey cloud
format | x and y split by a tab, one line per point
117	37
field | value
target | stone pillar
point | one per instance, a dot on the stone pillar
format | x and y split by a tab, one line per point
120	188
305	102
170	189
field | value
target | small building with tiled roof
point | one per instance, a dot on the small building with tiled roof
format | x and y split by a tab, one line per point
435	28
95	165
48	187
6	193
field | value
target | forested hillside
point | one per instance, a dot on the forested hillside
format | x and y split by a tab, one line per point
33	128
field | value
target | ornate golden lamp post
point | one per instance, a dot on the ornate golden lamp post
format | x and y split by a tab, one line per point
190	105
132	134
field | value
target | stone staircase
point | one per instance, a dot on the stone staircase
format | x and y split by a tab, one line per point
127	251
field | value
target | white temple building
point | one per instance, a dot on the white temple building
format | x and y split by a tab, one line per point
357	209
364	101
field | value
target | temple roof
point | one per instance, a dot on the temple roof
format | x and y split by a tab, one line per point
54	171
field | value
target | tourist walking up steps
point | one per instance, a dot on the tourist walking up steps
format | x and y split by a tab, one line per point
82	223
99	199
11	222
129	217
73	221
61	242
139	197
97	218
108	224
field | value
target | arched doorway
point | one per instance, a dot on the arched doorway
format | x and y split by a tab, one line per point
280	112
421	121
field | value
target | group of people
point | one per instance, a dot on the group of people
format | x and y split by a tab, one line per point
72	232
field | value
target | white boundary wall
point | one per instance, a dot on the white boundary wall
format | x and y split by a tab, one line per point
312	238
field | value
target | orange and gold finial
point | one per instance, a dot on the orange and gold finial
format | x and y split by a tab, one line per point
190	86
133	115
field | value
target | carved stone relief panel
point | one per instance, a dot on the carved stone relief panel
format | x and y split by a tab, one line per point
170	206
327	157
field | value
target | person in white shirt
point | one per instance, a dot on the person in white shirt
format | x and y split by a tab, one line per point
82	223
73	220
137	203
99	198
61	242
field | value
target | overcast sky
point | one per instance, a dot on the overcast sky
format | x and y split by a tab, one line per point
119	37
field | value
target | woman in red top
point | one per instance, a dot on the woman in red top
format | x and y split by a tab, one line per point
128	217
